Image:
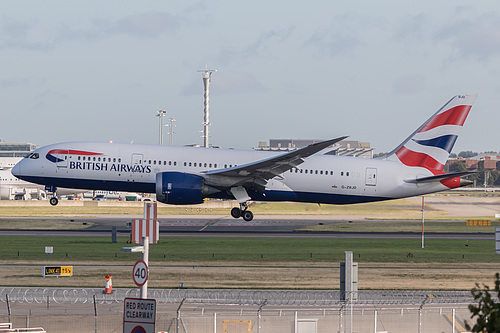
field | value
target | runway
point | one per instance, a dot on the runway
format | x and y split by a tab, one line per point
214	226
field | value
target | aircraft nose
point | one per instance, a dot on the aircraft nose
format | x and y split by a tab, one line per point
16	170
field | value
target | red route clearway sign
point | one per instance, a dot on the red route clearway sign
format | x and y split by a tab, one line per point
139	315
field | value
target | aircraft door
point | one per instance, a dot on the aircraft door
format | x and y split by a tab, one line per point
137	162
62	159
137	159
371	177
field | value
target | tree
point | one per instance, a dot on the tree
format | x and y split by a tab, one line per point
458	166
487	310
467	153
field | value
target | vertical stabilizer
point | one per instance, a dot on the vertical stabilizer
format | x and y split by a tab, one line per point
430	145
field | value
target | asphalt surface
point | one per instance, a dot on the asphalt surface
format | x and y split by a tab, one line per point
214	226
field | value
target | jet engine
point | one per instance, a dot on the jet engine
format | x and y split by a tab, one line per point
180	188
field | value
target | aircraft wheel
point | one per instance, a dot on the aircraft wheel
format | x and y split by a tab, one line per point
54	201
247	215
236	212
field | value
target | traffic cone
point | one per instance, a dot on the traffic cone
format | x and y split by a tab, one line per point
109	285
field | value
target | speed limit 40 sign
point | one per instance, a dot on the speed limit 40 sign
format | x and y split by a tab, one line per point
140	273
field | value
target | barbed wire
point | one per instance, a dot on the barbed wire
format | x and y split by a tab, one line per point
232	296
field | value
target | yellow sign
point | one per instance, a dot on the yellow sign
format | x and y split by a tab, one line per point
58	271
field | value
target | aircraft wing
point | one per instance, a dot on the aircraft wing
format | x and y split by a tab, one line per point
256	174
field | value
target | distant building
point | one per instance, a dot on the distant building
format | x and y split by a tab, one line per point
486	161
342	148
8	149
11	153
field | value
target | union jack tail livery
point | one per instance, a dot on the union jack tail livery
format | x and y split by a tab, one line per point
430	145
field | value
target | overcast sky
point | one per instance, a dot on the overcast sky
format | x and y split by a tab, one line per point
373	70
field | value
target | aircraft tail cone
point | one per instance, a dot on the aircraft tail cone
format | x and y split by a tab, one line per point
465	182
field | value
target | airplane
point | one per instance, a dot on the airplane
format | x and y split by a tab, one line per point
188	175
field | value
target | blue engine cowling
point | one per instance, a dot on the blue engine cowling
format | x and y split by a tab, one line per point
179	188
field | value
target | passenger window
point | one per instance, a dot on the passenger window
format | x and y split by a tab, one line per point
175	163
194	163
189	163
79	157
347	173
149	162
205	165
321	172
119	160
342	173
210	165
169	162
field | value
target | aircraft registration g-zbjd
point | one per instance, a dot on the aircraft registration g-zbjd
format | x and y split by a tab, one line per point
188	175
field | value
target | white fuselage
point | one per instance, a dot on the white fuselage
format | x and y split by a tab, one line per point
133	168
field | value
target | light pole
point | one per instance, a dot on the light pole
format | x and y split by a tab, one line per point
171	130
160	115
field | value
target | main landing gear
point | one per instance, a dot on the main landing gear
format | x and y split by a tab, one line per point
239	212
241	195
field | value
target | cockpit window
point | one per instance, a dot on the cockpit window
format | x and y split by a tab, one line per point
34	156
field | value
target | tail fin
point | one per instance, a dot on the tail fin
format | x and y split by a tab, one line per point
430	145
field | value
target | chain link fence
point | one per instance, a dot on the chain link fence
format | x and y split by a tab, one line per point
235	311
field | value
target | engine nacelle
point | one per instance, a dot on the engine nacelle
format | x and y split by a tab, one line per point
179	188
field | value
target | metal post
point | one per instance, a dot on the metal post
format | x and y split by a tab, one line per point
145	258
215	322
340	319
422	221
160	115
295	323
95	315
179	314
453	320
8	307
171	131
375	323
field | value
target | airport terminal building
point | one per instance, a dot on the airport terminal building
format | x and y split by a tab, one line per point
343	148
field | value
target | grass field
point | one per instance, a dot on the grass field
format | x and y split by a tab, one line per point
389	208
246	251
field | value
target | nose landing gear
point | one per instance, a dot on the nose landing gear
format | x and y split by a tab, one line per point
53	195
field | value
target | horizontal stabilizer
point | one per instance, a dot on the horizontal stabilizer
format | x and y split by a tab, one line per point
438	178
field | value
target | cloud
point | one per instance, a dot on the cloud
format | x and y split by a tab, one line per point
477	38
36	35
147	25
225	83
412	27
332	45
24	35
258	48
407	85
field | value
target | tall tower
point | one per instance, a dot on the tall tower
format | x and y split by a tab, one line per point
207	77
